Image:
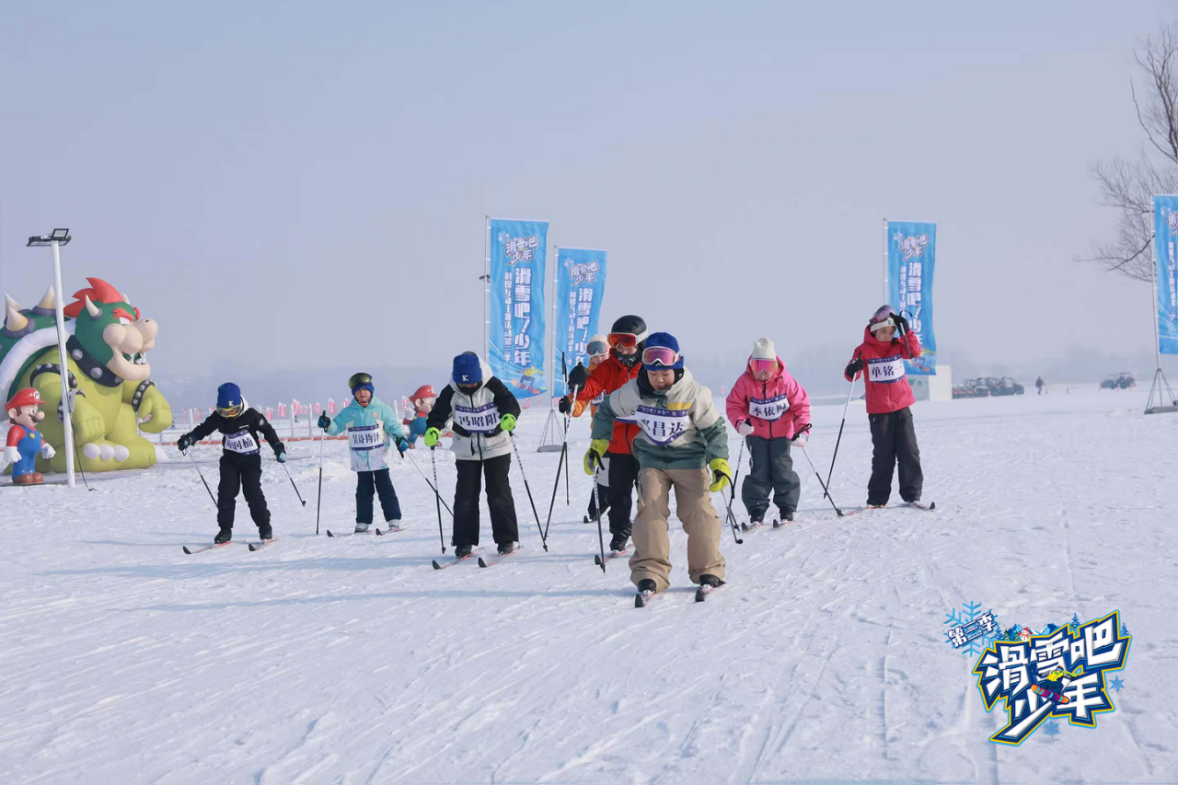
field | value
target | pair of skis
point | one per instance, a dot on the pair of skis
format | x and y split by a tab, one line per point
376	531
918	505
253	546
484	562
643	599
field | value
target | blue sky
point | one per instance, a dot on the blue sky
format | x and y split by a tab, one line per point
309	181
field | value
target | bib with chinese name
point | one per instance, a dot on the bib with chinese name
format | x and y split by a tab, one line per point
477	420
366	437
888	369
241	442
769	409
662	426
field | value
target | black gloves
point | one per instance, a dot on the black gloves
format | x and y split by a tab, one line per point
324	420
564	405
578	376
185	442
854	367
902	323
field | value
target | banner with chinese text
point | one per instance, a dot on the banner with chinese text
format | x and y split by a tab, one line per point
581	283
516	352
1166	208
912	249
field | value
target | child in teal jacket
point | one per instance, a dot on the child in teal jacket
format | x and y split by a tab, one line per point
372	430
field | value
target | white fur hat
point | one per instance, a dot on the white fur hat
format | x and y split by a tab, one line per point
763	349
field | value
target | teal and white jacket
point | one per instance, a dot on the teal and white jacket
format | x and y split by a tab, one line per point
371	430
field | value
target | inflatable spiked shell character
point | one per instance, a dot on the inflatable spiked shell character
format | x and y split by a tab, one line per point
108	341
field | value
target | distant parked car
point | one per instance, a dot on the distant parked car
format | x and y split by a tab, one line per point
1126	380
971	388
1007	387
1110	382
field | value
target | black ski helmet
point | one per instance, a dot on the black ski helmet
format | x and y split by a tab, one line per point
638	328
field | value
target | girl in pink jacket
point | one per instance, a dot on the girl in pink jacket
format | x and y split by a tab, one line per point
771	410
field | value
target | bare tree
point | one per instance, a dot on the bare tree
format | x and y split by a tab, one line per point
1129	186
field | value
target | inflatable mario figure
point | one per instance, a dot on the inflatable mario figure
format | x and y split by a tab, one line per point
24	441
423	401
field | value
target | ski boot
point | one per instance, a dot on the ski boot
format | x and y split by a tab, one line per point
707	579
223	536
360	528
618	542
506	547
265	533
462	551
754	523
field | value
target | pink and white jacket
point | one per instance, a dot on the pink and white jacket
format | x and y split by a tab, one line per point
778	407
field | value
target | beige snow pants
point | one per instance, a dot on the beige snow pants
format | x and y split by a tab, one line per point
651	559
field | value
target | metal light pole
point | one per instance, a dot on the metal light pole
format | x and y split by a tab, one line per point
57	239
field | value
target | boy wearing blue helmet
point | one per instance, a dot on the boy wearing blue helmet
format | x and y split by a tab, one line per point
682	445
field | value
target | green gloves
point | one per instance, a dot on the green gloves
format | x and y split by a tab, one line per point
432	435
507	422
720	474
593	456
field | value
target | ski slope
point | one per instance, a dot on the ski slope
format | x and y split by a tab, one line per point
825	659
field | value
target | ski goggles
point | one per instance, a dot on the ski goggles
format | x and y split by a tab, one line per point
882	318
626	340
356	380
656	357
595	348
761	364
230	412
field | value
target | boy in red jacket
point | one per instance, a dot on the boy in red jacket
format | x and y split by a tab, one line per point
889	397
772	411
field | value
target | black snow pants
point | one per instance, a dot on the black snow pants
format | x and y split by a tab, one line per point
499	501
365	484
770	468
244	472
623	472
894	442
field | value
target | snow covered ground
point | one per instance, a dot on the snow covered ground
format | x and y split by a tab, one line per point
352	660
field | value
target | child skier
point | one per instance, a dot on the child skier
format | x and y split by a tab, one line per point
484	414
241	459
423	401
889	397
598	349
772	411
627	340
682	445
372	427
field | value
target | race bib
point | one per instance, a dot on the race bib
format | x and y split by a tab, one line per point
662	426
886	369
366	437
241	442
769	409
598	399
477	420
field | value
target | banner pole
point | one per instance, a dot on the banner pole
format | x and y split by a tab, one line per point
886	292
1154	299
553	349
486	288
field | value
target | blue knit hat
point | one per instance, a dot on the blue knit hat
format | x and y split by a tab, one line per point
467	369
229	395
667	341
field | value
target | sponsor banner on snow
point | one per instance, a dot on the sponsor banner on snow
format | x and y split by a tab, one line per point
1166	211
912	250
581	283
516	351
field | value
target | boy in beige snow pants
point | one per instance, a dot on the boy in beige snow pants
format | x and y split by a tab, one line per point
682	445
693	507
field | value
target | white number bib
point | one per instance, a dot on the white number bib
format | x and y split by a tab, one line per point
477	420
597	400
769	409
886	369
365	437
241	442
662	426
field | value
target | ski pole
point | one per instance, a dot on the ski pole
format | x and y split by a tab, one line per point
819	477
838	438
198	469
732	519
428	483
536	515
737	474
296	488
319	490
438	500
563	460
598	510
77	452
568	417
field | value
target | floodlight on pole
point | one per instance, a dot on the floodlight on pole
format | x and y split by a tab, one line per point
56	239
